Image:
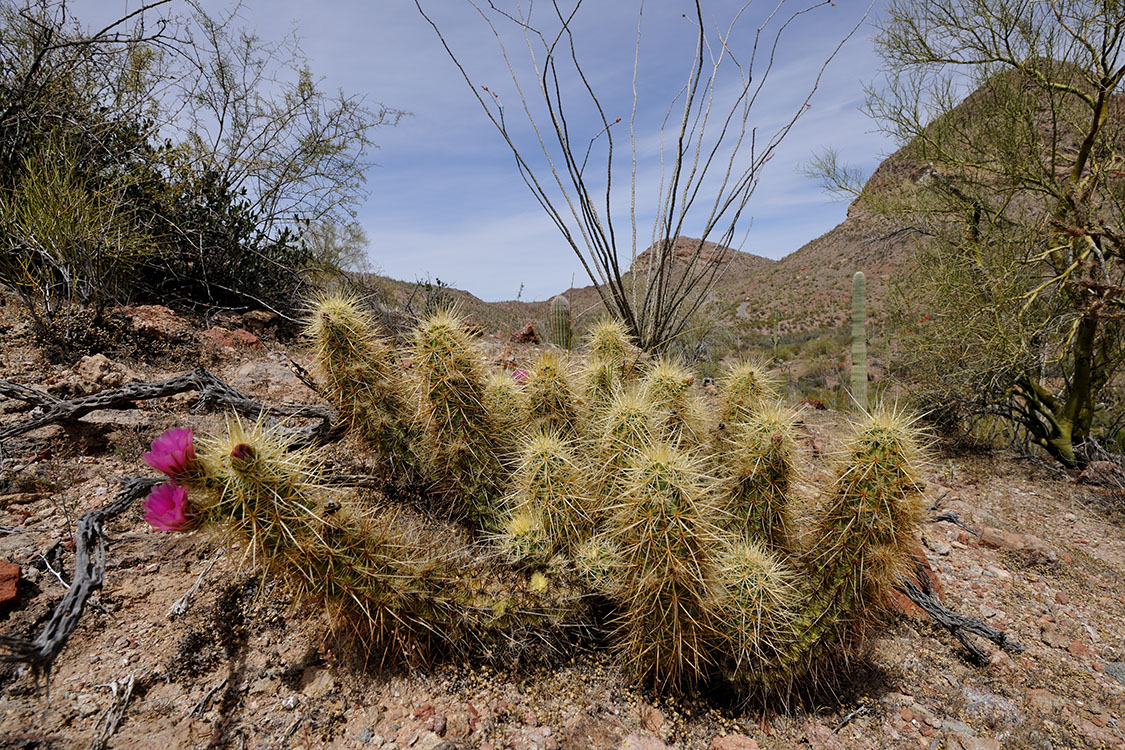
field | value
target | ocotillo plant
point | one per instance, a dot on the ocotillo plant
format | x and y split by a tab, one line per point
365	383
560	322
462	436
859	341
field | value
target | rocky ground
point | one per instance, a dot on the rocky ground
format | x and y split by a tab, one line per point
1043	558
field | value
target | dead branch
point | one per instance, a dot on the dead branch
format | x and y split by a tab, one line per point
181	605
212	390
89	573
959	625
122	691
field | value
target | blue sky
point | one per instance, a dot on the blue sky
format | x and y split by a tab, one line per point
445	199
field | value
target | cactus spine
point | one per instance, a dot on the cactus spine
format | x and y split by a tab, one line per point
365	384
759	468
665	584
859	341
560	322
462	437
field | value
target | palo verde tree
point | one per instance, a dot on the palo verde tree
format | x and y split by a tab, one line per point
1017	196
698	146
194	155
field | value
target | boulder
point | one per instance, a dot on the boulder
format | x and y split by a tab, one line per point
526	335
1028	546
90	374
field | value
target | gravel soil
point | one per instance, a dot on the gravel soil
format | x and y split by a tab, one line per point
1043	558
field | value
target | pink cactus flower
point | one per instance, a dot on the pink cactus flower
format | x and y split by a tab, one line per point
166	507
520	376
173	453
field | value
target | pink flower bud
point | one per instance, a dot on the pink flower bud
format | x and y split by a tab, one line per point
242	452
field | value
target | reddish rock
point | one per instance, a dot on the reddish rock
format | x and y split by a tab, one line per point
586	731
245	338
9	582
653	720
526	335
220	336
1029	546
900	602
90	374
257	320
821	737
734	742
1080	649
156	321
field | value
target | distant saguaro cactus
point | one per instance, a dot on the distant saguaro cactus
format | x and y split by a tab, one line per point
560	322
859	340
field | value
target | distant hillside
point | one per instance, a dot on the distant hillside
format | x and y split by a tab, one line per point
806	292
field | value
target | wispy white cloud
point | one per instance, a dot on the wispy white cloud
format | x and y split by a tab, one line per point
445	197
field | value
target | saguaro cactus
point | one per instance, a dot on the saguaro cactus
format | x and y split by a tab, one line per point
560	322
859	341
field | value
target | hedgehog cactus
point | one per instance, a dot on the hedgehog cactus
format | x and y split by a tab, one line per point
609	366
462	436
678	412
365	384
859	341
505	401
380	583
623	430
744	388
560	322
665	583
861	547
758	467
551	403
759	593
548	484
